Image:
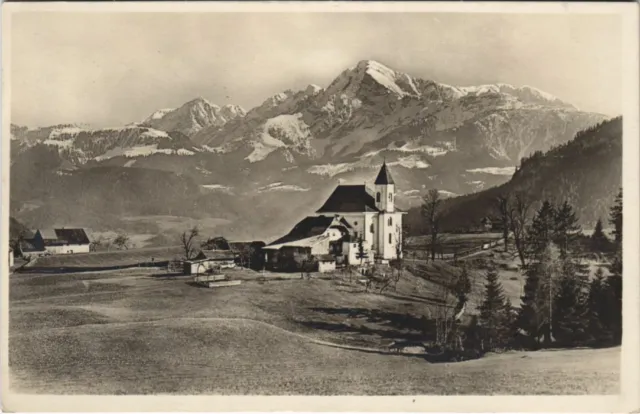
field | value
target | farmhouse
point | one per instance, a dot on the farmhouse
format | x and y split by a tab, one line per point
356	225
56	241
207	260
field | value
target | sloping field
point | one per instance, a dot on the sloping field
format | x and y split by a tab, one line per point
195	356
108	259
137	331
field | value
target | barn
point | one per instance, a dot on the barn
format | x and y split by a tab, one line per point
56	241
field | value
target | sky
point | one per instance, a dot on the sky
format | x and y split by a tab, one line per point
110	69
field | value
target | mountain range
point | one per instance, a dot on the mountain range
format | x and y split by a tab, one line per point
256	171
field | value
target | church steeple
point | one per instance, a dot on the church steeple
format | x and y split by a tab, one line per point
384	185
384	176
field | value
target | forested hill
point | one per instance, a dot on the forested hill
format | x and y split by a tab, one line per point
586	171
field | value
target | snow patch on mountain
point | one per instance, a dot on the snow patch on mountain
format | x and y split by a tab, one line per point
158	114
477	184
217	187
281	187
411	161
283	131
73	130
140	151
494	170
384	76
447	194
60	143
154	133
412	148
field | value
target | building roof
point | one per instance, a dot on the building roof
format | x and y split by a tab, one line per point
310	227
48	234
27	246
73	236
64	236
349	199
384	176
299	243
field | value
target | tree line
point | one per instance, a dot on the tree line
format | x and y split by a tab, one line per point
561	305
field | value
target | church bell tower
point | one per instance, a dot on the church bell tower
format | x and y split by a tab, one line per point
385	190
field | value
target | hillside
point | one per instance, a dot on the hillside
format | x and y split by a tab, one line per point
587	172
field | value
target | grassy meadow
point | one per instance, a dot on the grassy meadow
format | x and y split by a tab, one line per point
143	331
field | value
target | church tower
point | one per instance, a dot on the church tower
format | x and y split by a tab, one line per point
385	190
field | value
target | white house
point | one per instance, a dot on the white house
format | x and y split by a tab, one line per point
351	216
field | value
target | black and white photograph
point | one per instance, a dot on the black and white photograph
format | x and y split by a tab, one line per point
318	201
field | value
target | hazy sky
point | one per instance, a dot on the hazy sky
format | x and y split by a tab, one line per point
111	69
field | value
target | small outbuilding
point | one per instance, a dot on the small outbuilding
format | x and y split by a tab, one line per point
326	263
207	261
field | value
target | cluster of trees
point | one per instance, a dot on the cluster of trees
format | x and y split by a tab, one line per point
121	241
560	305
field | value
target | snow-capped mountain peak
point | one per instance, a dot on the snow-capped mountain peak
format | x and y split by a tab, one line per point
193	116
526	94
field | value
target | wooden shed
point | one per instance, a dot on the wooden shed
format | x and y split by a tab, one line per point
209	260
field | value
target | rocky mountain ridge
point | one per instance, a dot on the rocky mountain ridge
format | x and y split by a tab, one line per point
297	145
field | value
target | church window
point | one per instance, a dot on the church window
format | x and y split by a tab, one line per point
355	235
390	197
378	197
390	221
371	228
355	223
390	238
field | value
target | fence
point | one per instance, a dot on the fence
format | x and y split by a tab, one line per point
463	253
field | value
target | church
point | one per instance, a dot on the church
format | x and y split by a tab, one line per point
355	219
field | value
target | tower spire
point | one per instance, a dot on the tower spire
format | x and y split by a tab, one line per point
384	176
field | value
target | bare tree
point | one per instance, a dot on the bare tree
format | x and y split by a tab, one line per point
443	315
518	221
503	213
431	213
187	239
122	241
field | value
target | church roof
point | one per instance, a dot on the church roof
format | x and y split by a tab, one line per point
349	199
309	227
384	176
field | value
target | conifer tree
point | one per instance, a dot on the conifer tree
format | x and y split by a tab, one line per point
571	323
599	241
494	312
565	226
535	318
613	289
615	218
542	229
599	331
614	281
